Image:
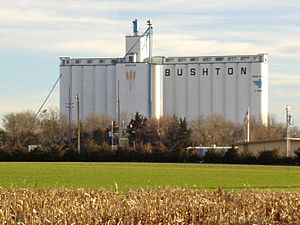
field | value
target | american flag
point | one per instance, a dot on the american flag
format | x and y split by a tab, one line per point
246	118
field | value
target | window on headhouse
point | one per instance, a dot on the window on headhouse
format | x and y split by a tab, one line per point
245	58
89	61
169	59
181	59
206	59
130	58
77	61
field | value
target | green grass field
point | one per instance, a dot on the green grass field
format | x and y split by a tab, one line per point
147	175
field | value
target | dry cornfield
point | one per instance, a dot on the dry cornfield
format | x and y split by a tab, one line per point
153	206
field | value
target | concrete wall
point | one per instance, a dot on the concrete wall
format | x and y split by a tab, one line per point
185	87
95	85
134	91
139	45
257	147
210	87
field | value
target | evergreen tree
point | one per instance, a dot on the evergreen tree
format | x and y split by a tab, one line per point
178	135
150	134
183	134
136	127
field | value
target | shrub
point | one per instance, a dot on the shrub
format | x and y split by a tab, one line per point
213	156
248	158
269	157
297	156
232	156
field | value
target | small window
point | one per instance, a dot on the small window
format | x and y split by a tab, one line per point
130	58
245	58
206	59
77	61
113	61
169	59
219	58
101	60
67	61
231	58
89	61
181	59
193	59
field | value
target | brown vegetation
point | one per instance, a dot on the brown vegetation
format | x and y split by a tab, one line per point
156	206
147	140
49	127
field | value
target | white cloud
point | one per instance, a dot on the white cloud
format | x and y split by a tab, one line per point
284	90
64	26
285	79
153	5
32	101
90	48
186	45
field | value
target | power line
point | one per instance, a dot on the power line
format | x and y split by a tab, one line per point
37	113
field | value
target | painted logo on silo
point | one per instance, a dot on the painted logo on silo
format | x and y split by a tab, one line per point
130	77
258	84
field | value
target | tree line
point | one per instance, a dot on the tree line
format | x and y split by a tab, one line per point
163	140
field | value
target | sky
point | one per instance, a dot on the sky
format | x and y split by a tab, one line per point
33	34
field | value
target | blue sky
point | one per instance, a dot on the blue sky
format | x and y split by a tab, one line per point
33	34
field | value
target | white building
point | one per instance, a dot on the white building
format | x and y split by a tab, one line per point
182	86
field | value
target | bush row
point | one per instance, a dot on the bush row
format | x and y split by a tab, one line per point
104	153
267	157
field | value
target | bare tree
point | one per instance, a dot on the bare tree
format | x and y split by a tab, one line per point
53	127
95	128
95	122
215	130
271	131
22	128
151	132
3	138
165	124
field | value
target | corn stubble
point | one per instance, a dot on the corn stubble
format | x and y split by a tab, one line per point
154	206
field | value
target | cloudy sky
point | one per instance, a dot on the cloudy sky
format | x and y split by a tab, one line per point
33	34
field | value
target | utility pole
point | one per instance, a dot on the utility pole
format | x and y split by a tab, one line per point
247	123
69	105
288	123
119	114
150	28
112	135
78	124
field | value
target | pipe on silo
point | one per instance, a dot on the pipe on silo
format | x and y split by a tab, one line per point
135	26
